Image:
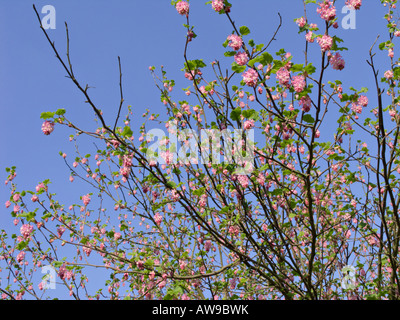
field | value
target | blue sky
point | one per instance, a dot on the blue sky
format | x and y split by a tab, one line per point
143	34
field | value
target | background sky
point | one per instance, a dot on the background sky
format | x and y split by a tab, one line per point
143	34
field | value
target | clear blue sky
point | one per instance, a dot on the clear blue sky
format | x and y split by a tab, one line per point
142	33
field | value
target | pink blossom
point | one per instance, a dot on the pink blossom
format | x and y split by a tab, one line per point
21	256
241	58
305	102
362	100
8	203
26	230
218	5
86	199
158	218
207	245
283	76
354	4
325	42
60	231
235	41
243	180
140	264
299	83
337	62
388	74
250	77
327	10
356	107
117	236
249	124
309	36
41	186
182	7
47	127
301	22
125	171
16	197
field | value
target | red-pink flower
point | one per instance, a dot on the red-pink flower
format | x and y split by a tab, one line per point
325	42
298	83
26	230
362	100
21	256
301	22
305	102
235	41
243	180
218	5
250	77
158	218
354	4
327	10
125	171
182	7
41	186
86	199
47	127
241	58
248	124
309	36
283	76
388	74
337	62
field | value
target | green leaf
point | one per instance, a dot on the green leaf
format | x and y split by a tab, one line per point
127	132
60	112
310	69
47	115
229	53
265	59
244	31
235	114
251	114
238	69
308	118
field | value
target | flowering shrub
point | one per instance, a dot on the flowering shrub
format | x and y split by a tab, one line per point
285	224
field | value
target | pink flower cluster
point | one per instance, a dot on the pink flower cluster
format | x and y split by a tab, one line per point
243	180
26	230
218	5
388	74
337	62
235	42
125	170
354	4
241	58
158	218
182	7
249	124
86	199
305	102
309	36
298	83
47	127
301	22
362	101
327	10
283	76
250	77
325	42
